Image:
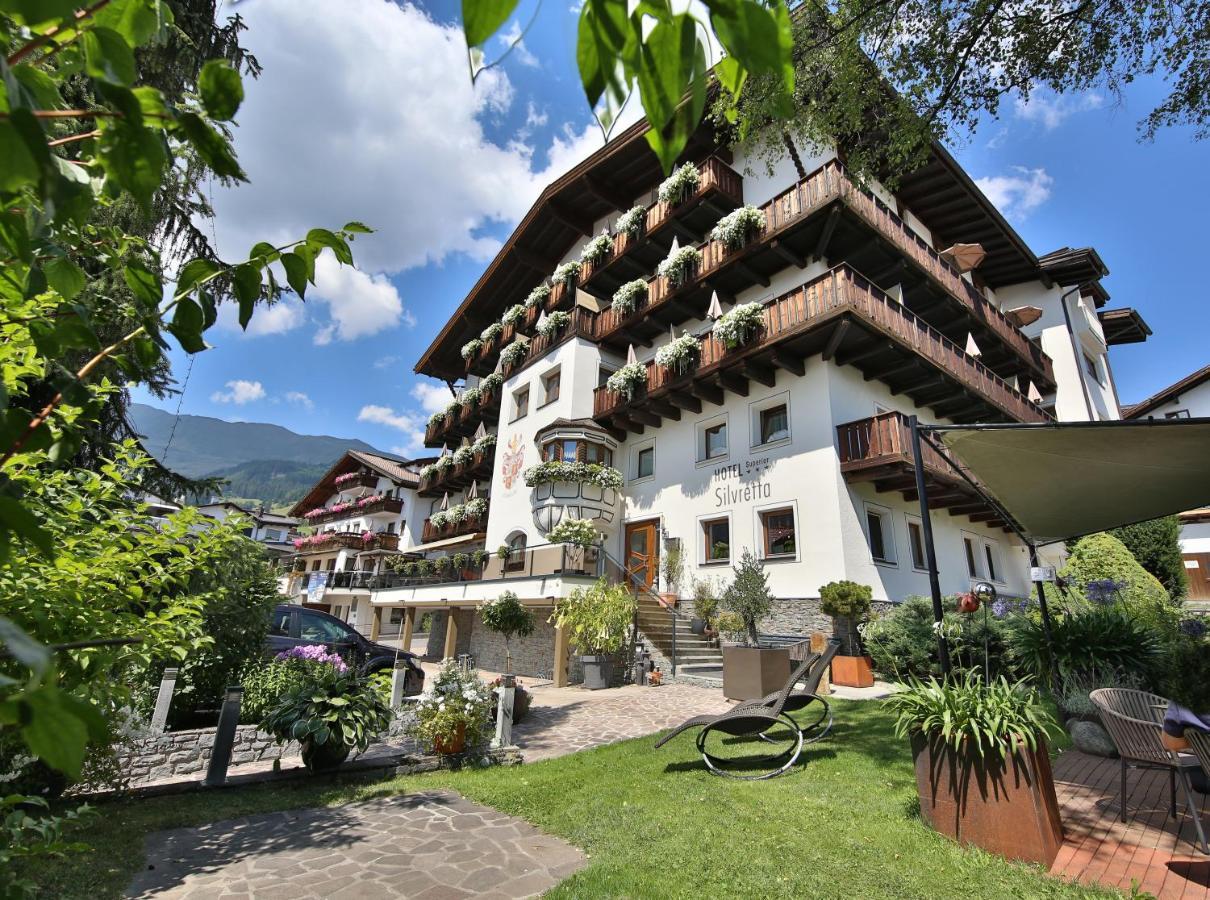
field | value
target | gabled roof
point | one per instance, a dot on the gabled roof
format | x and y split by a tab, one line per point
1169	393
396	468
1082	266
265	517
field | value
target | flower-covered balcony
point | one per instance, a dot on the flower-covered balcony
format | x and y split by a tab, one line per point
565	491
458	470
522	321
327	541
842	317
465	414
371	505
354	483
465	518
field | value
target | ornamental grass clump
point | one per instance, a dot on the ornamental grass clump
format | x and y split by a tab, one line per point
578	532
491	333
739	324
514	353
598	249
553	323
555	470
632	222
969	715
537	296
567	274
471	348
680	265
454	712
680	185
513	316
628	380
630	296
735	229
679	355
507	617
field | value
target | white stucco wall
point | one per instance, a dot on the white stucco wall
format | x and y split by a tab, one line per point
1195	401
1195	537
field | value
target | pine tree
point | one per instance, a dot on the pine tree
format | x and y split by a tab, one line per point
748	596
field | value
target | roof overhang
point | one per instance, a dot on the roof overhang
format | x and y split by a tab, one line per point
1065	480
1123	326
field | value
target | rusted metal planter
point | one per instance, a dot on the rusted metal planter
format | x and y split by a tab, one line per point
750	673
853	671
1007	806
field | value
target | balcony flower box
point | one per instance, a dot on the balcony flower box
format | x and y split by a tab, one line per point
630	296
738	227
598	250
681	355
628	380
567	274
737	326
491	333
680	185
680	265
538	296
632	223
514	354
513	316
554	323
471	349
489	385
572	490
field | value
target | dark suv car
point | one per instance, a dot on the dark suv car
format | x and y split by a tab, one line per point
293	626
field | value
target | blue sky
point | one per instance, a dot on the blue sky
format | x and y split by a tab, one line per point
387	129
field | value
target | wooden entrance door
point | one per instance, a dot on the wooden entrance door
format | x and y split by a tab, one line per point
1197	568
643	551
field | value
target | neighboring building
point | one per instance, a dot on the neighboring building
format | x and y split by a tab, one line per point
1188	398
790	436
275	531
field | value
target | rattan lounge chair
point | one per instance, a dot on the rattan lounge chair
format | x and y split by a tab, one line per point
756	719
1134	720
801	698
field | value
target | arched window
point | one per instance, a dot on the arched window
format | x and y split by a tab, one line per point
516	552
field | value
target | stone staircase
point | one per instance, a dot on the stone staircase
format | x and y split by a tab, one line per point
696	660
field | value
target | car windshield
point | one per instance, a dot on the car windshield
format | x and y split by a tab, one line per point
321	630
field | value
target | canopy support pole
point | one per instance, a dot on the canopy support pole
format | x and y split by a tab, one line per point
1040	587
930	553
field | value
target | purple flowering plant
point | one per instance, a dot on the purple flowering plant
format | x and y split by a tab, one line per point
315	653
1103	591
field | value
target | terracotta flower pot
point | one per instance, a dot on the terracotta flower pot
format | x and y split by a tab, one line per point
669	600
454	744
853	671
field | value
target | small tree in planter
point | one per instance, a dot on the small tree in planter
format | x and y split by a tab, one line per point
455	713
848	602
752	671
982	769
672	567
596	620
577	532
506	616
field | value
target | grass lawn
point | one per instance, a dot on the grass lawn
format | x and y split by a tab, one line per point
654	823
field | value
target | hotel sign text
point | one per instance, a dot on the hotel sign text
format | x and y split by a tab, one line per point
744	482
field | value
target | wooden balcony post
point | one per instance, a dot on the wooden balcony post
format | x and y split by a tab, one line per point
376	623
409	624
560	661
451	633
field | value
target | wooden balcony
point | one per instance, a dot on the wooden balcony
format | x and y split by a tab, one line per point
389	506
845	318
350	540
484	362
355	482
720	190
879	450
826	216
459	477
455	529
464	422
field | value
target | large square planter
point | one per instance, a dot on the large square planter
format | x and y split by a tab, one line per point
1007	806
750	673
853	671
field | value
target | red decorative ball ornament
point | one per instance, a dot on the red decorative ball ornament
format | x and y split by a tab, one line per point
968	603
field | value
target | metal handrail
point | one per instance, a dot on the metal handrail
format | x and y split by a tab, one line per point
638	587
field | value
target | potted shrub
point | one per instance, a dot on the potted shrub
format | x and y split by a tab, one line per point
751	671
672	567
739	324
982	767
629	296
329	716
705	606
848	602
455	713
506	616
596	619
738	227
577	532
628	380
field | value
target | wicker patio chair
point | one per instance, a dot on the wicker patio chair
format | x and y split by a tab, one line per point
801	698
754	721
1134	720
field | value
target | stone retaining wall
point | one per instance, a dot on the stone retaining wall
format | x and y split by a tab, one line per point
802	615
177	753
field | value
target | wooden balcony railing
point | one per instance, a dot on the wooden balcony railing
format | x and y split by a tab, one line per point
358	481
383	505
464	421
839	293
454	529
459	476
720	189
819	190
351	540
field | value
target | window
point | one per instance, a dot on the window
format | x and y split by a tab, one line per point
878	532
396	617
598	453
603	375
572	450
916	545
520	403
1177	414
1093	369
780	537
712	440
550	387
273	534
320	629
281	623
716	538
770	420
989	554
644	462
515	561
972	559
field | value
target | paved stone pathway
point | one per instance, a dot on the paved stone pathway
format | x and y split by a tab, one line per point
432	845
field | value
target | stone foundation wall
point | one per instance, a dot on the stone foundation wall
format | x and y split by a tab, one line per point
802	615
177	753
532	656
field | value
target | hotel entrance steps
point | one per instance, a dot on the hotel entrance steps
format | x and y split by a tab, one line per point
690	655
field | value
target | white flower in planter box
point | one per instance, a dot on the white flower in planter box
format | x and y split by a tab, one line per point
598	249
739	325
484	443
632	222
464	456
491	332
538	296
428	472
680	185
472	509
469	397
514	352
738	227
680	265
627	298
440	519
568	274
471	347
437	418
513	315
445	463
576	472
628	379
679	355
579	532
453	407
551	325
490	383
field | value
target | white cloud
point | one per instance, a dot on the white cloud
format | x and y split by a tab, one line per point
298	398
358	304
520	53
1048	109
385	362
433	395
410	424
1020	193
239	392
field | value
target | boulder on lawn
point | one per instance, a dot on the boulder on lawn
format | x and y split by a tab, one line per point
1090	737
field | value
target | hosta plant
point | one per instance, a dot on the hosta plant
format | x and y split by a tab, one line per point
514	353
553	323
739	325
471	347
679	355
580	532
538	296
738	227
680	265
632	222
567	274
680	185
455	711
598	249
513	315
628	379
491	332
577	472
629	296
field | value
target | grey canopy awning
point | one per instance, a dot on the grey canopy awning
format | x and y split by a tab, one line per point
1065	480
